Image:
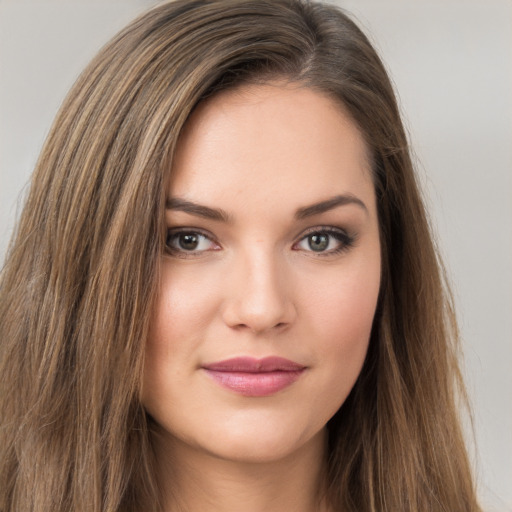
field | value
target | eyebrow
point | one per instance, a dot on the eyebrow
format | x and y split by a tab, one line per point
217	214
182	205
329	204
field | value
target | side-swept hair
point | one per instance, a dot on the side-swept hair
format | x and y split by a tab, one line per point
79	281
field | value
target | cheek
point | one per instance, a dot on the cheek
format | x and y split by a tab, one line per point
344	301
184	310
187	303
341	316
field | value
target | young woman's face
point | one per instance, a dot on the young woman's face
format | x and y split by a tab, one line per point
270	281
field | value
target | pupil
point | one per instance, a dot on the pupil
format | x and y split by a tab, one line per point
318	242
188	242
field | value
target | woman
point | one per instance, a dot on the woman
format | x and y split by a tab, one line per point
223	292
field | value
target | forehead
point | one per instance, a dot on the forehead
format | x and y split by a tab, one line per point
276	141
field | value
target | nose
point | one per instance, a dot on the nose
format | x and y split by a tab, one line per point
259	295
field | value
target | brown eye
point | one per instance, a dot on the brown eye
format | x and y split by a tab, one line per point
188	242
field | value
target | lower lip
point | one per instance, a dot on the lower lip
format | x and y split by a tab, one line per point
255	384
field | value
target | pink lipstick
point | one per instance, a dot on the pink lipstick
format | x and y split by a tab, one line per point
255	377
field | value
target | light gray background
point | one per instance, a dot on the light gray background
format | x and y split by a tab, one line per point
451	61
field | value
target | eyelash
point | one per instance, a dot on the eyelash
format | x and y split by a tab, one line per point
181	253
346	241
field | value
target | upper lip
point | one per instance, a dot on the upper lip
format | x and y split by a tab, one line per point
254	365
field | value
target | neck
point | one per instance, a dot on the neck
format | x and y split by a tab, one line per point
194	481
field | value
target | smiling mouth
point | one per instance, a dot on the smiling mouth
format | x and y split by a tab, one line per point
251	377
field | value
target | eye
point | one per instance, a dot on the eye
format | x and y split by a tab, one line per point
188	242
325	241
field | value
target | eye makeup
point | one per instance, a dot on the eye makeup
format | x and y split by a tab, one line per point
322	241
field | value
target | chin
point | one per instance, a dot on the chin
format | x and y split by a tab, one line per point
259	443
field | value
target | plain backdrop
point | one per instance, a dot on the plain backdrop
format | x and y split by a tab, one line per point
451	61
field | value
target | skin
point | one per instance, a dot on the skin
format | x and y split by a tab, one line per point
257	286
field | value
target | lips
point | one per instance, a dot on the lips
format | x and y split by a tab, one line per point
255	377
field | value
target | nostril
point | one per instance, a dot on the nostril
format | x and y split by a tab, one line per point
243	326
260	306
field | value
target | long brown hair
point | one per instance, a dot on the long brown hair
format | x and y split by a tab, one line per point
79	280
